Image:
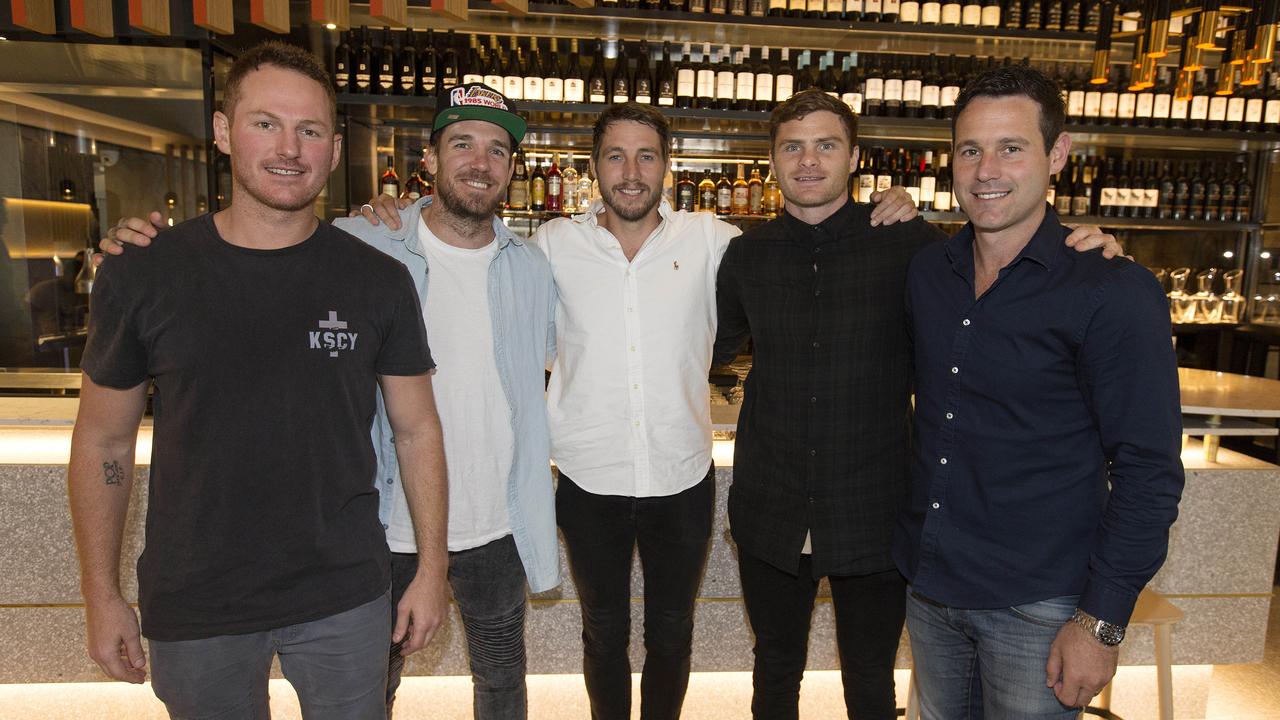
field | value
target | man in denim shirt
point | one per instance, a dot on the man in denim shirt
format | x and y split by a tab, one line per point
472	274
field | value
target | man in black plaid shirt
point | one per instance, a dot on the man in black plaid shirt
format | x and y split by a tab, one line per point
820	463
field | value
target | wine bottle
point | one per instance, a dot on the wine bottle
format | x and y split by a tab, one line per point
764	82
777	8
493	66
745	81
725	80
706	80
952	11
873	88
950	89
448	74
909	12
538	189
390	182
531	71
407	66
552	79
1062	190
1198	115
756	8
928	182
574	84
827	75
386	84
990	13
1109	100
815	9
1127	102
427	81
620	83
971	13
871	10
724	193
642	80
890	10
785	82
665	87
686	78
1227	194
1013	14
911	179
363	65
796	8
942	200
554	185
851	84
597	85
930	12
1080	194
1107	206
912	89
342	64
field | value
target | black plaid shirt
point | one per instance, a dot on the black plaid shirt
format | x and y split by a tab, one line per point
823	433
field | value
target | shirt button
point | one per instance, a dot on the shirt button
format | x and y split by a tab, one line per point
817	292
633	349
813	399
389	481
936	506
943	461
637	423
955	370
812	453
966	322
635	387
816	344
950	416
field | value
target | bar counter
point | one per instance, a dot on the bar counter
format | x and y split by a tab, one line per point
1219	572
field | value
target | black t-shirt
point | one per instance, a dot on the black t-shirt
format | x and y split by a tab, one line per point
262	507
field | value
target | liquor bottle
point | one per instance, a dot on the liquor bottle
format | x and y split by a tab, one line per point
686	79
555	185
386	84
666	83
990	13
745	82
707	192
942	200
873	89
390	182
971	13
930	12
642	81
552	79
493	66
342	65
740	202
414	186
755	191
1062	189
764	82
518	190
597	85
569	187
950	89
909	12
912	89
531	71
585	185
407	66
686	193
725	80
785	81
724	193
771	199
538	188
706	80
871	10
363	65
427	81
928	182
575	87
952	12
448	74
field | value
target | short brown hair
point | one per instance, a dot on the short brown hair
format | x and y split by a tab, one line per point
632	112
810	101
285	57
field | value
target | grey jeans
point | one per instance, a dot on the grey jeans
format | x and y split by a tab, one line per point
336	664
488	585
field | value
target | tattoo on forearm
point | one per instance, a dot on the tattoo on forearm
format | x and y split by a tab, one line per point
112	472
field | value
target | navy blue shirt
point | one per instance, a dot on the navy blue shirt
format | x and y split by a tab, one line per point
1047	428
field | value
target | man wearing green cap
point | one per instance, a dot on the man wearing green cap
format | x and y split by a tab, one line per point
488	303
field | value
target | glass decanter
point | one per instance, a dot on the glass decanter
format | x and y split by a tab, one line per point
1232	300
1182	307
1208	304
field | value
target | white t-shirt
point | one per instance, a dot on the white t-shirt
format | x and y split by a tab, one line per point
475	415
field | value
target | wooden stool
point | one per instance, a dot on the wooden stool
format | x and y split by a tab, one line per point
1151	609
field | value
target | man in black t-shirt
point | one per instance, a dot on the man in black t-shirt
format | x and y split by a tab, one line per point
266	334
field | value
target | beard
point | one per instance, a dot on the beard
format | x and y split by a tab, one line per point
302	199
466	205
613	200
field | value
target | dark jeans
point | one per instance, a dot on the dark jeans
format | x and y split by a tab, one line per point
600	534
869	611
489	587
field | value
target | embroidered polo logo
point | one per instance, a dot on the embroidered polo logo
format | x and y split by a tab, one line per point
329	337
675	264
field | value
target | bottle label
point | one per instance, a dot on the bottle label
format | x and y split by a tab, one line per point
911	91
1235	110
777	5
853	7
971	15
909	12
931	13
1253	110
914	194
513	87
1178	109
494	81
724	197
1151	197
951	13
871	6
706	84
686	82
1121	196
1160	106
1092	104
518	198
866	186
553	186
468	78
883	182
785	83
1062	204
741	197
1200	107
817	6
532	88
893	90
1109	102
764	87
724	85
391	188
1127	105
1271	112
553	89
1217	109
796	5
928	188
574	90
991	15
407	80
854	101
1145	105
930	95
746	85
835	7
597	94
1075	103
874	90
1108	198
942	201
1080	205
949	95
538	189
892	7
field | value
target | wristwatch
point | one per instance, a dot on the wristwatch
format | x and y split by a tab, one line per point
1108	634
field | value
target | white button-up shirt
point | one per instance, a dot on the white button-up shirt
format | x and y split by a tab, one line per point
628	401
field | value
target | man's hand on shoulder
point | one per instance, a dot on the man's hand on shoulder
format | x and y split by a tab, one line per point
1090	237
114	640
129	231
892	206
383	208
1079	665
421	611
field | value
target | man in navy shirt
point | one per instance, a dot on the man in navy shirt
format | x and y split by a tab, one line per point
1045	471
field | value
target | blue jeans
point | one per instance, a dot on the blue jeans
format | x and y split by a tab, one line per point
976	664
489	587
336	664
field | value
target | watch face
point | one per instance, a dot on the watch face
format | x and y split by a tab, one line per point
1109	634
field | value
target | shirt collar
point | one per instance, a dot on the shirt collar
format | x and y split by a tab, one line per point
409	228
597	206
833	224
1043	247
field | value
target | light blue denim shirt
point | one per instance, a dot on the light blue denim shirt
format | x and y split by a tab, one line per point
522	300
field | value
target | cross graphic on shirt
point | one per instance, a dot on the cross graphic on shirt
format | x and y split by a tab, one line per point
333	323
